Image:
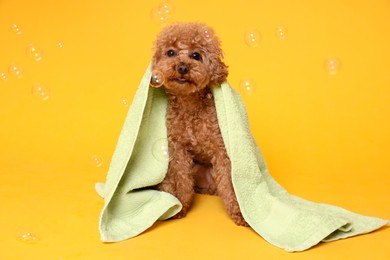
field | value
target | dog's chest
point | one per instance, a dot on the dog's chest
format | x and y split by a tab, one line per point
194	126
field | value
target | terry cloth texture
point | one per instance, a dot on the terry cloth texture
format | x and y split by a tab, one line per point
131	206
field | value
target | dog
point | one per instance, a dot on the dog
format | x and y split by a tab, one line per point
189	57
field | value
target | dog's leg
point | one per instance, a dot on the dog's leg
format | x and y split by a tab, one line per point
203	177
179	180
222	177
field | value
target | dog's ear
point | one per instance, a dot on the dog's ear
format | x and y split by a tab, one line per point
157	46
154	62
154	58
218	69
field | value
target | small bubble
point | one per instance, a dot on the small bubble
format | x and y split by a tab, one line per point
26	236
125	102
33	52
281	32
15	27
160	150
208	34
3	76
247	86
252	37
96	160
332	65
60	45
40	91
157	79
162	13
15	71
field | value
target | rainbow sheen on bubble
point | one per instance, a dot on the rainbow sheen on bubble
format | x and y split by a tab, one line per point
34	52
157	79
40	91
252	37
247	86
332	65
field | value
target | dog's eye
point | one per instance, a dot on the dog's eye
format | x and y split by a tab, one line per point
171	53
196	56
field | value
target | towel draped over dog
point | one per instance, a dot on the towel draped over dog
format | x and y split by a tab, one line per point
131	205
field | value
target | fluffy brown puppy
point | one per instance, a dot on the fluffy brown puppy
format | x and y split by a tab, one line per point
190	58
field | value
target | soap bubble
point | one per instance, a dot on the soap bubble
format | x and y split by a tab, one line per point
281	32
96	160
157	79
160	150
15	71
125	102
247	86
40	91
162	13
252	37
207	34
33	52
3	76
15	27
332	65
26	236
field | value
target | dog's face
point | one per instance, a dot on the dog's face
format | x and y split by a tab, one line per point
189	57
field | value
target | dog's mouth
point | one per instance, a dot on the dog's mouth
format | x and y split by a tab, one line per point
181	85
182	81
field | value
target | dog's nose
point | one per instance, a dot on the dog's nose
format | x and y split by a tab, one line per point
182	69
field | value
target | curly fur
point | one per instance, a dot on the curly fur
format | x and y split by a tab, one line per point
191	62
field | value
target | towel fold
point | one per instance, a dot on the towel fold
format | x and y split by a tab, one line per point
131	206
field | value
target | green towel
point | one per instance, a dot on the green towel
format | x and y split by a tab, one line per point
130	207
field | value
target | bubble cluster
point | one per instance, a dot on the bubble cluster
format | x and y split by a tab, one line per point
60	45
281	32
26	236
332	65
162	13
97	160
40	91
252	37
15	71
160	150
247	86
34	53
15	27
157	79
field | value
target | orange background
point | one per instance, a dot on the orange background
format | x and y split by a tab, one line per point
324	135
